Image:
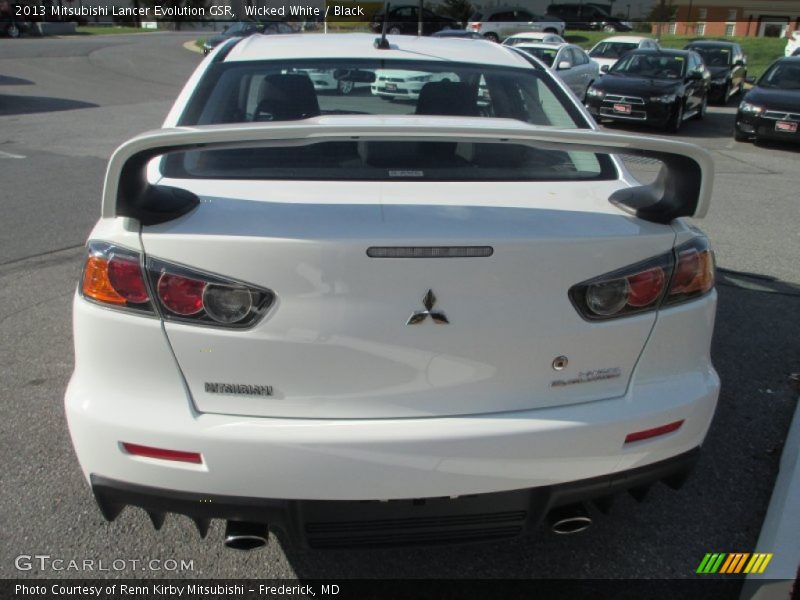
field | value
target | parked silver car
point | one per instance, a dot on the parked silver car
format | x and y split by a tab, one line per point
569	62
496	24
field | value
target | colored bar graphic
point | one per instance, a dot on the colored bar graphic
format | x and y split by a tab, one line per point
703	563
717	564
741	563
726	566
733	563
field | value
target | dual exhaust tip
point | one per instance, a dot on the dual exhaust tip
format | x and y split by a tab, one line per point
566	520
243	535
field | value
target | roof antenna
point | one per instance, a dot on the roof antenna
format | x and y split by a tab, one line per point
382	43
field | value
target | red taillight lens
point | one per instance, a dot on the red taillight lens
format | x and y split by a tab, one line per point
646	434
475	26
113	276
181	295
125	275
163	454
646	287
684	274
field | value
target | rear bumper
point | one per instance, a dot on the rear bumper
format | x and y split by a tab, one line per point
337	524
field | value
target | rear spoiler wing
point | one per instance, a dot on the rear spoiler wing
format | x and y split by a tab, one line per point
681	189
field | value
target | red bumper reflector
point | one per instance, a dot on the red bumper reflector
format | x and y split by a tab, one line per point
638	436
137	450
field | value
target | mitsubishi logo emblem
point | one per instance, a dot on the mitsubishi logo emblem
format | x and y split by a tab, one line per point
429	301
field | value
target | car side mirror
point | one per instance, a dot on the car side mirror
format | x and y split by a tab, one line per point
604	69
694	76
739	63
564	64
750	79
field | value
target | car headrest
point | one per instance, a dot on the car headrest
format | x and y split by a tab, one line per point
447	98
287	98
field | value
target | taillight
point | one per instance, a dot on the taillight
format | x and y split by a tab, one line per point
114	277
683	274
475	26
694	272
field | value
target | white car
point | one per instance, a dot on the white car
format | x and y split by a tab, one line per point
404	84
533	38
371	328
326	80
496	24
569	62
608	51
792	43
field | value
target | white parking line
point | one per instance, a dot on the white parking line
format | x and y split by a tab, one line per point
10	155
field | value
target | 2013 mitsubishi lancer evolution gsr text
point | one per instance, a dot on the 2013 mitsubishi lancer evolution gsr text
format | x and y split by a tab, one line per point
360	323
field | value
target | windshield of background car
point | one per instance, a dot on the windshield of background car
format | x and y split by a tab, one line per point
269	91
713	57
651	66
612	49
782	75
546	55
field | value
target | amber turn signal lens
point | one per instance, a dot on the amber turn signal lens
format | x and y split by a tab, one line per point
96	284
694	273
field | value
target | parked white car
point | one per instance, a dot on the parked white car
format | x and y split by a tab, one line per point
792	43
608	51
295	307
326	80
533	38
569	62
404	84
496	24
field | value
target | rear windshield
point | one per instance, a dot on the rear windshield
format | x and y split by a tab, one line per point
266	91
713	57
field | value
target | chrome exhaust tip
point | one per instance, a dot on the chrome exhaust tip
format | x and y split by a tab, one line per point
241	535
566	520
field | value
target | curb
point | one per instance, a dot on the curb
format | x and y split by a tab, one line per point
781	528
190	46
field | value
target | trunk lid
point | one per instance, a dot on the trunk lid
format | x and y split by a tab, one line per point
336	343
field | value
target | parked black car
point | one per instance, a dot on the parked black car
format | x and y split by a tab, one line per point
404	19
10	25
727	64
771	110
245	29
658	87
587	17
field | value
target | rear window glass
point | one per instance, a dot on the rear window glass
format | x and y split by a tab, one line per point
268	91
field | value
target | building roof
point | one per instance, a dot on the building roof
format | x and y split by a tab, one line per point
361	45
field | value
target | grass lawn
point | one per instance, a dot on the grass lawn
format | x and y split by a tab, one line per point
760	52
96	30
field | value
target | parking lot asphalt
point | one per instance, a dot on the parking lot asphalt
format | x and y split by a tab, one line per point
65	104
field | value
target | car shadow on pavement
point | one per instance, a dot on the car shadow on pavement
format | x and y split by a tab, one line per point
21	105
8	80
720	508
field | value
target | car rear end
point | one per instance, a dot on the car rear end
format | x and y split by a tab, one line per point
375	329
